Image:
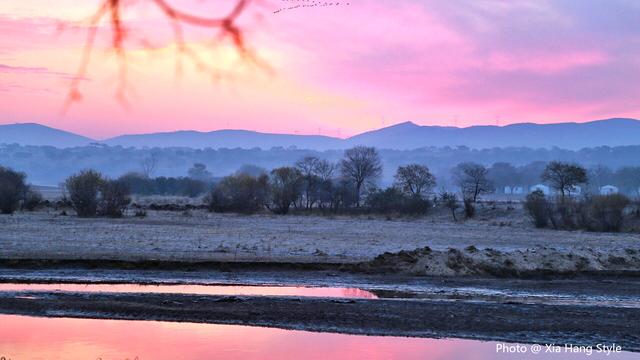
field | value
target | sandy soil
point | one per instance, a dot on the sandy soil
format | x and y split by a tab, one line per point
202	236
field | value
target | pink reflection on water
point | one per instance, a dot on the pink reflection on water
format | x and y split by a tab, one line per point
337	292
74	339
71	339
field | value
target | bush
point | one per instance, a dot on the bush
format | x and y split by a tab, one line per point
603	213
83	189
537	207
469	207
239	193
450	201
179	186
393	200
607	212
12	189
114	198
32	200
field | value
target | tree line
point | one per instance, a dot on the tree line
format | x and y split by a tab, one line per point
315	184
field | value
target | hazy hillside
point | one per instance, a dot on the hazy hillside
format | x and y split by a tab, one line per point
40	135
573	136
224	139
405	136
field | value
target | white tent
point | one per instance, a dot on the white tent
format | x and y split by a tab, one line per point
608	190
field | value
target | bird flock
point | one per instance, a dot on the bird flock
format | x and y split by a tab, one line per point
302	4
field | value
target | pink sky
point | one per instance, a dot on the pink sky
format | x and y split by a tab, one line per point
337	70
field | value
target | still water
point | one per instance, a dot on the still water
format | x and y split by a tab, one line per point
24	338
334	292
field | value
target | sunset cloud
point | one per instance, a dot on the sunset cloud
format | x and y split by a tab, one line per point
337	70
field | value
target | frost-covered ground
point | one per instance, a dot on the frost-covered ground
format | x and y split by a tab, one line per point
199	235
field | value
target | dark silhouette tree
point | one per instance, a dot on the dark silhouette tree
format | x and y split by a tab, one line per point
285	186
450	201
415	180
503	174
564	177
472	180
361	165
199	172
13	189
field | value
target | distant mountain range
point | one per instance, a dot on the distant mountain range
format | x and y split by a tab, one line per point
37	135
573	136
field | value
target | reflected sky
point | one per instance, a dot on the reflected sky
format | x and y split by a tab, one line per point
337	292
60	338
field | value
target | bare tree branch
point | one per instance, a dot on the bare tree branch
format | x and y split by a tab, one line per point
112	10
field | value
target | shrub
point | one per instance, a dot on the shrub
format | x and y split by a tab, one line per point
393	200
239	193
450	201
32	200
83	189
537	207
604	213
469	207
12	189
114	198
181	186
607	212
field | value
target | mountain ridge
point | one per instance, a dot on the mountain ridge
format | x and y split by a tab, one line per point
402	136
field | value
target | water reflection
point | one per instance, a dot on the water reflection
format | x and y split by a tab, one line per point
336	292
59	338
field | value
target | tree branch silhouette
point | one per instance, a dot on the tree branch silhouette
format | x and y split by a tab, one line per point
111	10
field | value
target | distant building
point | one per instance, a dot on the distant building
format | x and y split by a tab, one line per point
515	190
544	188
608	190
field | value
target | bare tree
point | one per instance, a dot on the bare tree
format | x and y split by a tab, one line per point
362	166
564	177
503	174
316	173
149	165
285	187
599	176
199	172
308	167
450	201
415	180
325	169
12	189
225	26
628	178
472	180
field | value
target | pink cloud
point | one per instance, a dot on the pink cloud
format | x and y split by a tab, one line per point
347	67
544	63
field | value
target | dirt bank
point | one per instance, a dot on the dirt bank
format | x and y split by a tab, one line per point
532	262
